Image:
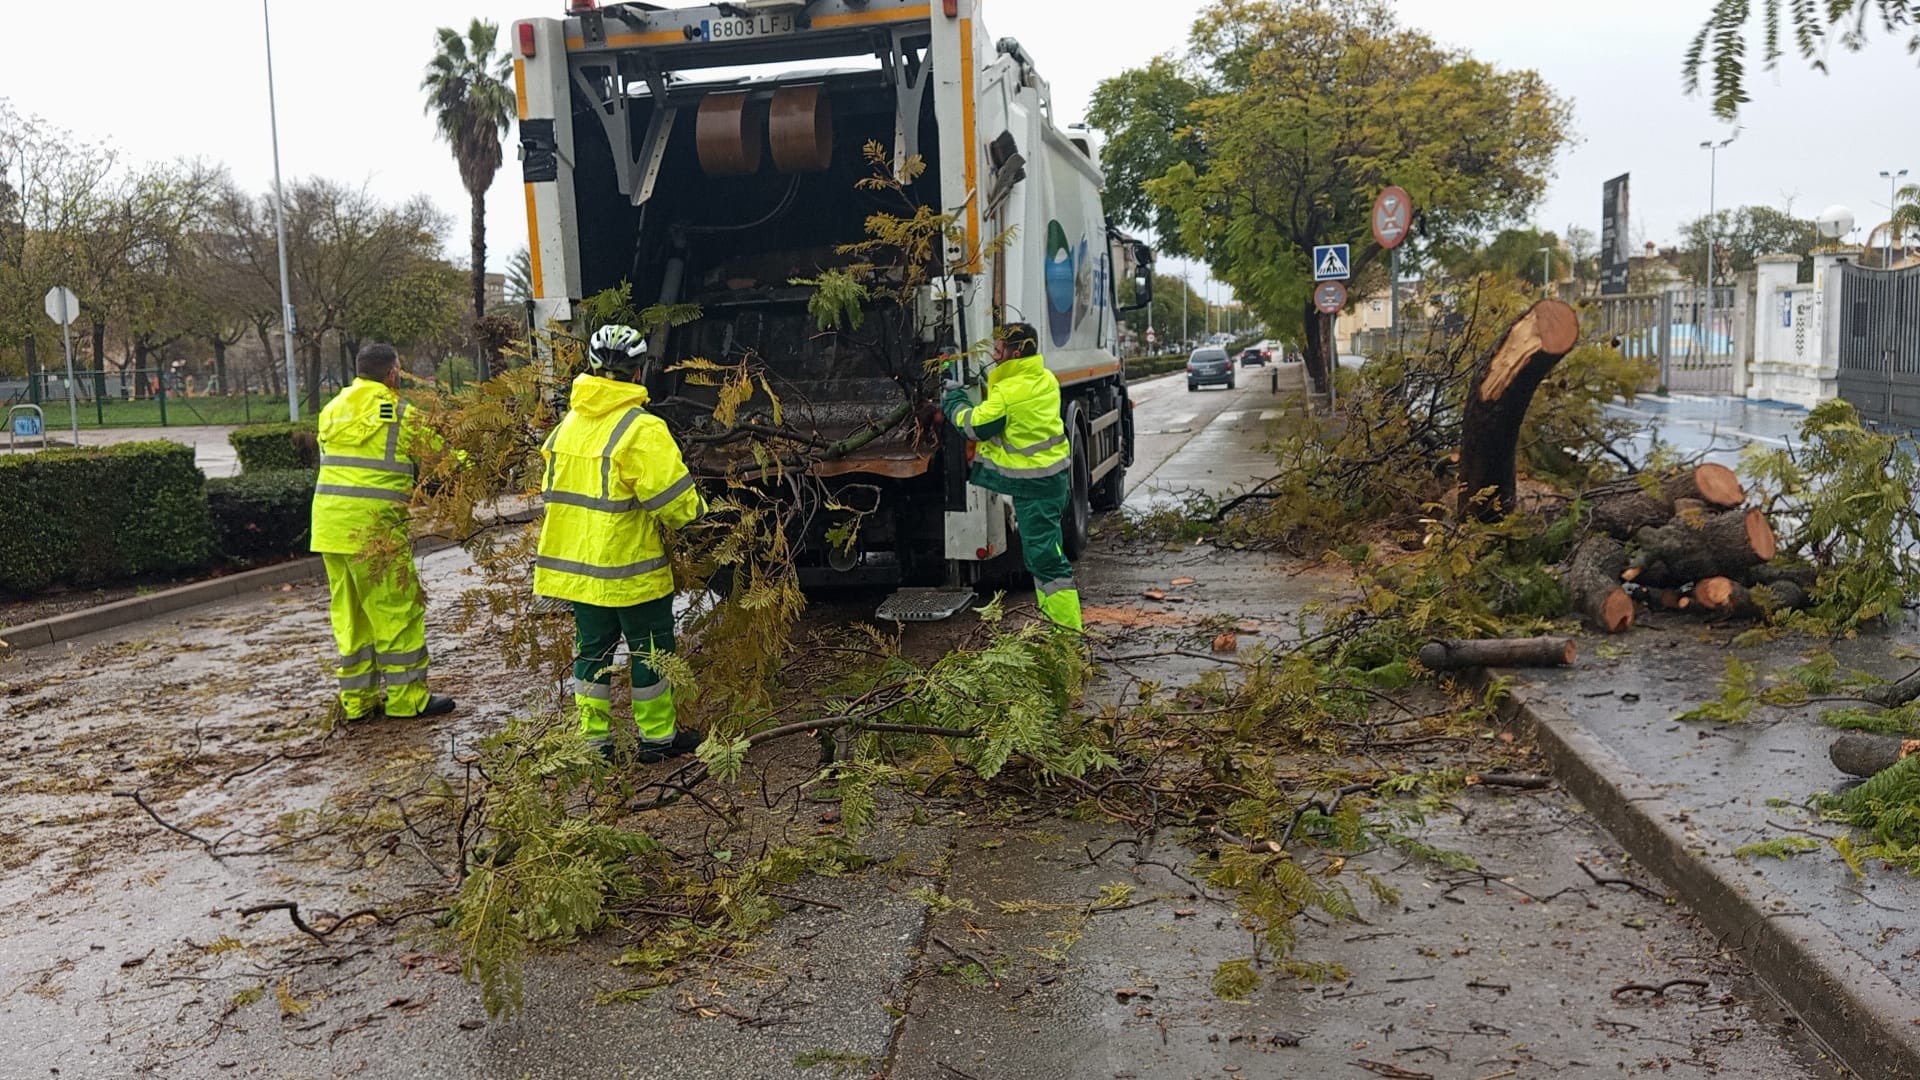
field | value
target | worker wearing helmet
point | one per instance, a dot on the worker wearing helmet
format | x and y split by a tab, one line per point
615	483
1023	453
368	437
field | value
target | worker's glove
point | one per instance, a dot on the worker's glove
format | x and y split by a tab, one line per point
956	399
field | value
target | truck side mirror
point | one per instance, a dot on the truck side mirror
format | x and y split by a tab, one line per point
1142	259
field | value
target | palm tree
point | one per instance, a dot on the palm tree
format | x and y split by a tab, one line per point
470	99
1720	47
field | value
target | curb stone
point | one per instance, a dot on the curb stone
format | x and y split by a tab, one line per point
1866	1020
135	608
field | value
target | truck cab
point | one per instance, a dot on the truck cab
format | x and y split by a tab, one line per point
714	156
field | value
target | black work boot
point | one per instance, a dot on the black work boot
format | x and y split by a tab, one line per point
685	741
437	706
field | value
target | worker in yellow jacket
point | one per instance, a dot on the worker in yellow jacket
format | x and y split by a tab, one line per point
1022	451
615	483
368	436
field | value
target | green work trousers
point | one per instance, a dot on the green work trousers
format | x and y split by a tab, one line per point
598	632
1044	550
380	633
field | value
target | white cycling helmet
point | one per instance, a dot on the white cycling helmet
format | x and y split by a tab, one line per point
617	347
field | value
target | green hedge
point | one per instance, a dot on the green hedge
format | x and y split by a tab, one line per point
261	515
276	447
86	516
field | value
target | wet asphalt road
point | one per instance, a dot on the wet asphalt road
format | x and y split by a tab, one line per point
121	951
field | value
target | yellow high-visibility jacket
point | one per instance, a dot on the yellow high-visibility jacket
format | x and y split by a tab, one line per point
367	438
614	481
1023	448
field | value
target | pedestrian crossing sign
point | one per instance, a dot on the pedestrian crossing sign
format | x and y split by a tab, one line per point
1332	263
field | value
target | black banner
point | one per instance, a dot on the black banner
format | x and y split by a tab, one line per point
1616	243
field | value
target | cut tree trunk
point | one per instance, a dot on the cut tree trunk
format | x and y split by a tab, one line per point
1894	694
1661	599
1725	596
1593	581
1864	753
1496	652
1622	515
1502	388
1769	573
1722	545
1715	485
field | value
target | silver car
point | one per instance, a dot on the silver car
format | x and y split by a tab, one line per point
1207	367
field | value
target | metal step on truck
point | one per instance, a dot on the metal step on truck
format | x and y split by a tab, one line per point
712	155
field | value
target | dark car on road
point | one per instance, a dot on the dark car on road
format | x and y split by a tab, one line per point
1209	366
1254	356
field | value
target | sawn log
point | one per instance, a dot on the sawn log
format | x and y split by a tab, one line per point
1496	652
1864	753
1722	545
1593	582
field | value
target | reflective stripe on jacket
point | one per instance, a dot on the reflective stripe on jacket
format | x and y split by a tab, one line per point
1031	448
366	477
614	478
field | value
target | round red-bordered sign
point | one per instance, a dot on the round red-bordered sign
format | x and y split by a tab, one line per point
1392	217
1329	297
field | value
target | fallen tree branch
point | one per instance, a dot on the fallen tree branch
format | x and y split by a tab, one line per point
209	845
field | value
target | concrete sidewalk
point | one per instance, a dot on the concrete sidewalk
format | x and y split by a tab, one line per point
1684	796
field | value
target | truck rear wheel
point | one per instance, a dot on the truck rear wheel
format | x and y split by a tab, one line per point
1077	521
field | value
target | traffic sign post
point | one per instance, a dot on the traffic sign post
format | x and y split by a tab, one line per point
63	307
1330	297
1392	218
1332	262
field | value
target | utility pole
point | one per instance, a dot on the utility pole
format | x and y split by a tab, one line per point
1713	222
1546	269
1893	208
280	228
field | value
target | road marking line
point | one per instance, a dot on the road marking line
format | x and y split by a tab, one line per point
1269	414
1231	417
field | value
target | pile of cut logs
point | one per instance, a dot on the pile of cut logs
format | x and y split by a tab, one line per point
1688	543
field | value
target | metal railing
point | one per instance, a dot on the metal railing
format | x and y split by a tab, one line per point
140	397
1878	341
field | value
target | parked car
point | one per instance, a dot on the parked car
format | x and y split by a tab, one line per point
1254	356
1209	366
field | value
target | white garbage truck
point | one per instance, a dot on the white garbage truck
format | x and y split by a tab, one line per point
712	155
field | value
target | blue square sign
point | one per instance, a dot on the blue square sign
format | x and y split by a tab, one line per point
1331	262
27	425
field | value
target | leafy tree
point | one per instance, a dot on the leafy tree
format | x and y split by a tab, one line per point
1721	44
1740	237
520	277
1145	113
1513	253
1303	112
470	99
1168	292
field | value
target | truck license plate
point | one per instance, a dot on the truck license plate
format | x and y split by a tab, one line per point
754	26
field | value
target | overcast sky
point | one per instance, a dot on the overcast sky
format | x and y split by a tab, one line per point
188	78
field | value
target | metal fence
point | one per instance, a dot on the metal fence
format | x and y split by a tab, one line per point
1697	346
1878	346
141	398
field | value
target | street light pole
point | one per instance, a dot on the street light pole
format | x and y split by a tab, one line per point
280	228
1893	208
1546	269
1713	223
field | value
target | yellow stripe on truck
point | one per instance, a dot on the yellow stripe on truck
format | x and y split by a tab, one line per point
973	146
520	86
533	245
859	18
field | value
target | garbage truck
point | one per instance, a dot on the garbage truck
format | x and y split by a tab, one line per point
713	156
